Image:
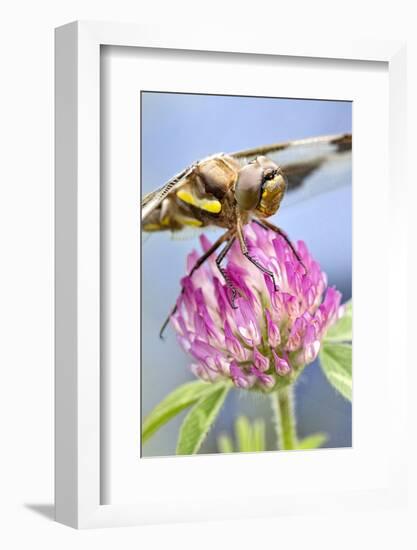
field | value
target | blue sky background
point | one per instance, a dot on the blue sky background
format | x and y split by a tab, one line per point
178	129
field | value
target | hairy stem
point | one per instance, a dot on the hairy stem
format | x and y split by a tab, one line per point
283	407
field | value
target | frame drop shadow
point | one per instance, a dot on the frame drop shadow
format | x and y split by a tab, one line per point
45	510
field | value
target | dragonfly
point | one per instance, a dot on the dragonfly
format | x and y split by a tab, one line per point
233	189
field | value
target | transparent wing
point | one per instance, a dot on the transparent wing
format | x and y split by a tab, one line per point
188	233
153	199
312	166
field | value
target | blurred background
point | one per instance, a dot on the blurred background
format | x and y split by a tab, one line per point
178	129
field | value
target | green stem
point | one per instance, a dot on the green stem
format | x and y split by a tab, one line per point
283	406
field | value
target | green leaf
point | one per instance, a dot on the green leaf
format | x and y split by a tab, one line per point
243	434
225	444
342	330
182	397
250	438
198	421
313	441
336	362
258	436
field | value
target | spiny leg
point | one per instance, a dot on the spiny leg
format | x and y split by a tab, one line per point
268	225
226	277
247	255
225	237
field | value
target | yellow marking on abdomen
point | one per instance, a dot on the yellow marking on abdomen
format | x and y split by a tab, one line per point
151	227
192	222
212	206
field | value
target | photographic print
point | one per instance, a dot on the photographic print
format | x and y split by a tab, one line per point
246	274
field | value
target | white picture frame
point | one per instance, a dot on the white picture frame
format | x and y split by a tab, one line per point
78	404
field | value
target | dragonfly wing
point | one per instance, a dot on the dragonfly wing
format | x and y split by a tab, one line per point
153	199
331	174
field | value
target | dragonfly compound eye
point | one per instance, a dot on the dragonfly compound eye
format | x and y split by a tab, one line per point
273	189
249	186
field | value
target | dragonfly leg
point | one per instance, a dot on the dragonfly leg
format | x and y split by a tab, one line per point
224	273
254	261
225	237
268	225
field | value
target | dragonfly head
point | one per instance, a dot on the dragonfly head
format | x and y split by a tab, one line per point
260	186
